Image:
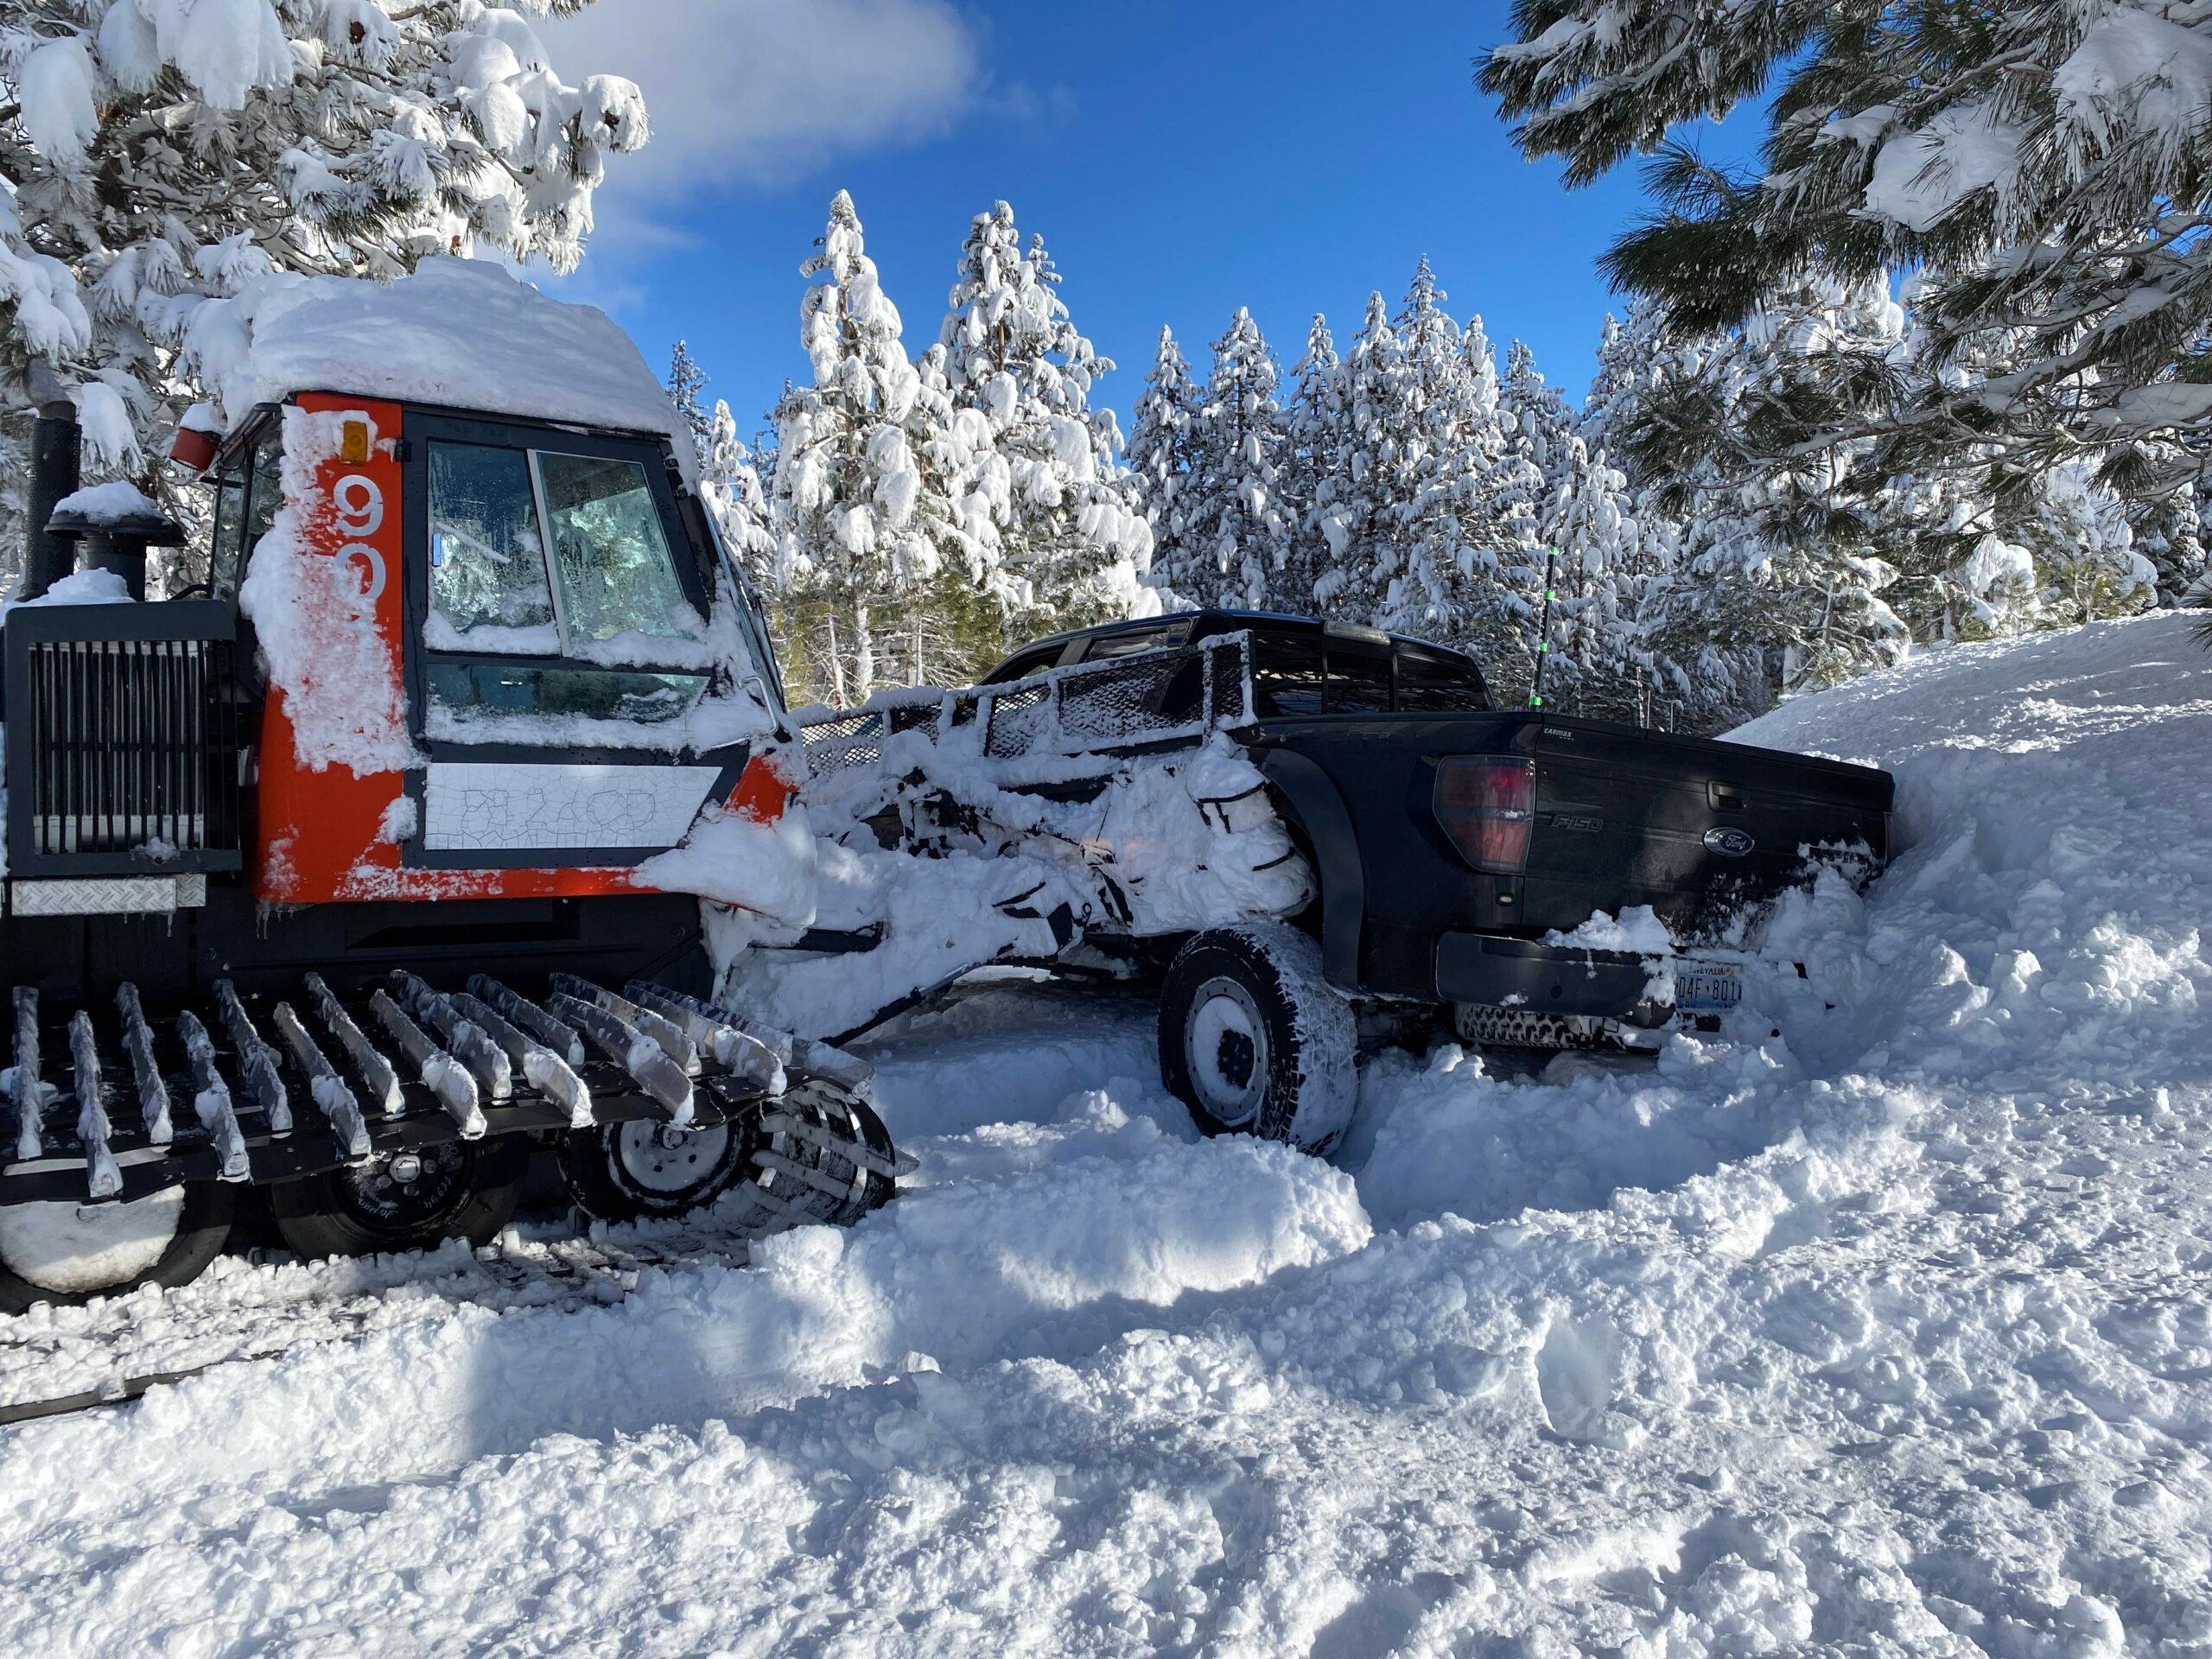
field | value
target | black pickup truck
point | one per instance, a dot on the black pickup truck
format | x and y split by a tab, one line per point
1449	838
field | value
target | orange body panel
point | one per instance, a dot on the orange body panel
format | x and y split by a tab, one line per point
323	835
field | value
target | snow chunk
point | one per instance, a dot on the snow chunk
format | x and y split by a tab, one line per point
227	48
1636	931
1921	176
2136	73
81	588
54	87
733	859
109	503
111	435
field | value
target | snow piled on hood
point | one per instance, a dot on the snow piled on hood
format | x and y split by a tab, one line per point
1880	1322
457	333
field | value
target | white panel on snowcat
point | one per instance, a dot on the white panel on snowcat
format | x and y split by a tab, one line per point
473	807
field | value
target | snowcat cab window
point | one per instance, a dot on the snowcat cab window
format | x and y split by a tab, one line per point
610	552
488	588
483	693
265	489
1023	663
1106	646
557	611
225	557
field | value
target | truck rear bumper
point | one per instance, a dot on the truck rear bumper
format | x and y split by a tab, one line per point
1544	978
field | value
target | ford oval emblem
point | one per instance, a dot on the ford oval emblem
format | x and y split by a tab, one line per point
1729	844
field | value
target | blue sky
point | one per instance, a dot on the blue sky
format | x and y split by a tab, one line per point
1180	159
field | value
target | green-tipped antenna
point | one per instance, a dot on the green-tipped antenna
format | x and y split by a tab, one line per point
1544	644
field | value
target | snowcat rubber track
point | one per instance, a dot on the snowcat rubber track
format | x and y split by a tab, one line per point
111	1105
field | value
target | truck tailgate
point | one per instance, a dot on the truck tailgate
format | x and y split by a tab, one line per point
1695	828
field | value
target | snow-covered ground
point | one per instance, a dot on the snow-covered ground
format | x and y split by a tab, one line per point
1890	1333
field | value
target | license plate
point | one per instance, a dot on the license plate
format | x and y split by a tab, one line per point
1707	989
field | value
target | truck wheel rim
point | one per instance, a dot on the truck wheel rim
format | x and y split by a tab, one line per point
1225	1052
74	1249
655	1160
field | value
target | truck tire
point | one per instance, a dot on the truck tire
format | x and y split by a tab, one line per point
460	1189
1253	1040
68	1256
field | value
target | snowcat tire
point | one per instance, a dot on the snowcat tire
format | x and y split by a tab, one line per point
1253	1039
608	1187
319	1217
594	1165
203	1228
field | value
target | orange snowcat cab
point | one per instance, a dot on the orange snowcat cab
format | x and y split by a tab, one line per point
334	876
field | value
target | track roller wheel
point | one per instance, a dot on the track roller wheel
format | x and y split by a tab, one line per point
67	1253
647	1170
405	1200
815	1155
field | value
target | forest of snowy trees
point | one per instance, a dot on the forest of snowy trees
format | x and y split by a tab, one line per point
913	516
1939	368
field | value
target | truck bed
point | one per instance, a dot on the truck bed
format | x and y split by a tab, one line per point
1701	831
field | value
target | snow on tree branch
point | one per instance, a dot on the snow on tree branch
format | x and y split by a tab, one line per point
161	153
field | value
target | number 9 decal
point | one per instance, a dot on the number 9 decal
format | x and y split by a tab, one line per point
358	505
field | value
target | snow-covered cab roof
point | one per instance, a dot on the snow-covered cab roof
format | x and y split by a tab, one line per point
458	333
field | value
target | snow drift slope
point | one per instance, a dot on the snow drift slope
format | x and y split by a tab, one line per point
1888	1333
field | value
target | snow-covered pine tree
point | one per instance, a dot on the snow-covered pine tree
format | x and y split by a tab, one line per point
1237	534
1636	356
845	501
1315	432
161	152
1447	445
1597	640
686	380
956	625
1365	526
731	482
2043	163
2163	515
2076	531
1159	460
1783	544
1580	522
1072	533
1501	492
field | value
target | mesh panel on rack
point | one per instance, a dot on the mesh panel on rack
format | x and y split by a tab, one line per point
1020	719
845	741
1136	700
1158	696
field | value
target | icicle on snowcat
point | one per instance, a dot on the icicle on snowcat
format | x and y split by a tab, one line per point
324	876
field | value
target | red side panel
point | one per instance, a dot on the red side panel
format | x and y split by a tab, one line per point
320	823
327	827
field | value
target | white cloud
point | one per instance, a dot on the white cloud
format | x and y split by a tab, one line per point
755	91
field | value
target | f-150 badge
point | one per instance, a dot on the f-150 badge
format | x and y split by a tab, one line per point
1729	844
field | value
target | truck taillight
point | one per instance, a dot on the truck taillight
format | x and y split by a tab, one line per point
1486	804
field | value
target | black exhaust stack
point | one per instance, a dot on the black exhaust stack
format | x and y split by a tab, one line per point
57	470
117	544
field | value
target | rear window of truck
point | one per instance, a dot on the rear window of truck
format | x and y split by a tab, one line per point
1439	681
